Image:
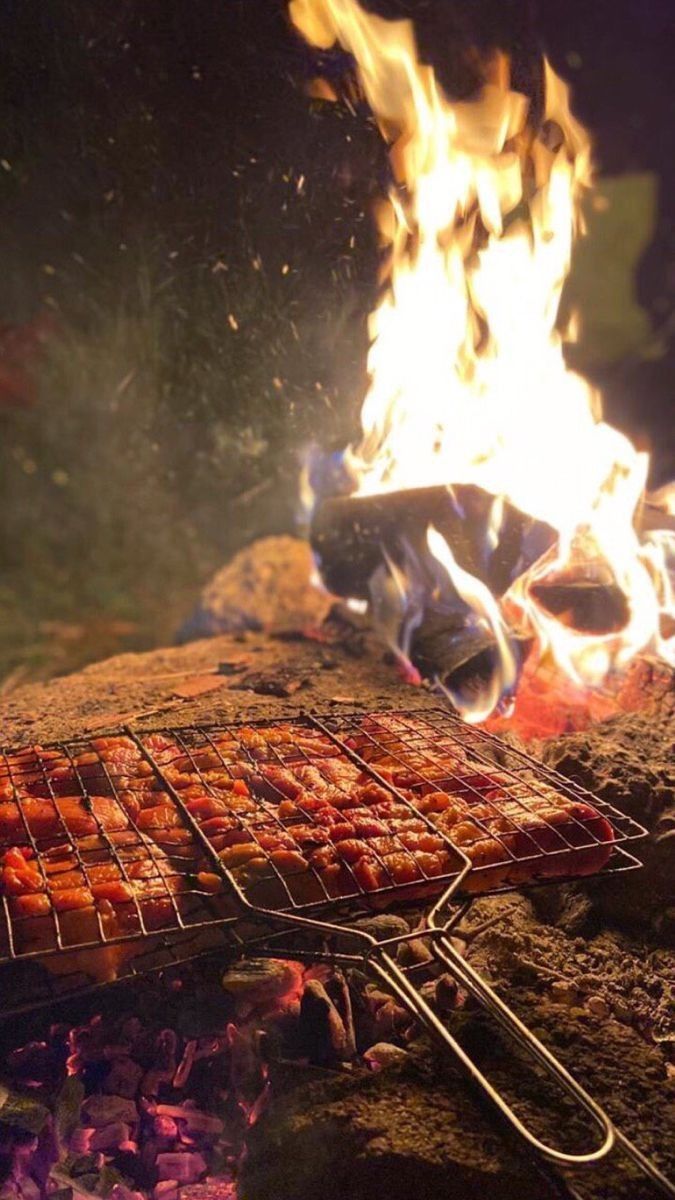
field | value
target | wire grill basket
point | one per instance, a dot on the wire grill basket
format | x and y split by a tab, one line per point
278	835
126	843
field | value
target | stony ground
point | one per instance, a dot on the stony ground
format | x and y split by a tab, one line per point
588	967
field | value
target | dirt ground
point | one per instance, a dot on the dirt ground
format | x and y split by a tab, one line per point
587	966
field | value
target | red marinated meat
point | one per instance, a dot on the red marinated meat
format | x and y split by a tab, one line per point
291	817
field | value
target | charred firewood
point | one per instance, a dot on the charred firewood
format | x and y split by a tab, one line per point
361	542
587	605
464	656
350	535
323	1032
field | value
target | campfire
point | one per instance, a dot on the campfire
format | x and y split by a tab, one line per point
272	920
493	517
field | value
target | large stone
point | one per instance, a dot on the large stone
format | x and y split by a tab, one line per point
267	585
417	1131
399	1133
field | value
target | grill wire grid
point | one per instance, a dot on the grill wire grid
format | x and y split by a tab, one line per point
424	738
428	739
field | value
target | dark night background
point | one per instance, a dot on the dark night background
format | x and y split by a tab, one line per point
186	250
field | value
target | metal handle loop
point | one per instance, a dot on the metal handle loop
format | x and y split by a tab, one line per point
463	972
390	973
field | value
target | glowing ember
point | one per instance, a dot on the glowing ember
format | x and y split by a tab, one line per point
468	381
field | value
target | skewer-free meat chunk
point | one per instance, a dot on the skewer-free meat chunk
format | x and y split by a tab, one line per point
370	875
160	817
67	894
509	825
276	783
311	808
339	794
44	819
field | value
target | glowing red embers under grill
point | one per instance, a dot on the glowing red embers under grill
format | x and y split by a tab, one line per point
548	703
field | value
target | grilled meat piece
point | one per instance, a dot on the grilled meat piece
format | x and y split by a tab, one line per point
73	895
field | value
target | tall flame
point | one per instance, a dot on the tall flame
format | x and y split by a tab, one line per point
468	382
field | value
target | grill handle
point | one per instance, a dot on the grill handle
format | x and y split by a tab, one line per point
449	957
387	971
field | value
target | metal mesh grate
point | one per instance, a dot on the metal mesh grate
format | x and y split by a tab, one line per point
133	838
97	873
403	797
306	793
529	818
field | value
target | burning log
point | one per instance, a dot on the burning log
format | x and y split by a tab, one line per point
463	656
356	539
362	542
349	534
584	604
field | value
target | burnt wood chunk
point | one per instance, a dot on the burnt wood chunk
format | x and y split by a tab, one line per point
463	655
349	535
584	604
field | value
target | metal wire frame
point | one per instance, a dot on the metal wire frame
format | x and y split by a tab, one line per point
264	817
377	957
192	908
569	835
411	740
396	739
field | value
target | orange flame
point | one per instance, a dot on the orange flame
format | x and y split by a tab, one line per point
468	381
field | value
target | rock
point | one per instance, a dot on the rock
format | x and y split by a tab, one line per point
166	1189
566	906
194	1120
597	1006
110	1137
100	1111
165	1128
80	1139
384	1054
183	1167
622	1012
263	981
322	1029
123	1078
564	992
120	1191
267	585
390	1018
381	926
283	681
338	990
448	994
414	953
